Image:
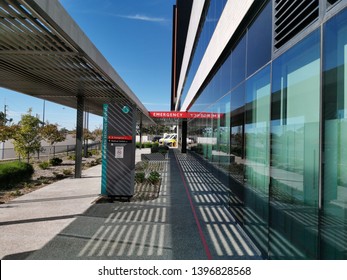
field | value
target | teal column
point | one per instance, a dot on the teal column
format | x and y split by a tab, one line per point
104	152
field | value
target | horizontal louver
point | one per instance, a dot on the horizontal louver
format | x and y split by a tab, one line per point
332	2
291	17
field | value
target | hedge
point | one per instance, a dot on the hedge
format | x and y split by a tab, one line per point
144	145
14	172
159	149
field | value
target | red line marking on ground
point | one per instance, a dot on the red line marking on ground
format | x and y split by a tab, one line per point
201	234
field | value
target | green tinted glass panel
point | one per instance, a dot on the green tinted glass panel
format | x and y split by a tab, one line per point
294	173
334	220
257	142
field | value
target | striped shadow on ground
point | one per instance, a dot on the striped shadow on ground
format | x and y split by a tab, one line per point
225	237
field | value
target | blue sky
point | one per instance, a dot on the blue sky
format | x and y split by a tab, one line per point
134	36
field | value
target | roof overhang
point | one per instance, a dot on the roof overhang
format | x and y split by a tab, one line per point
45	54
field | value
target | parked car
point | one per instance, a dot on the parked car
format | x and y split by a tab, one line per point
171	142
162	140
168	140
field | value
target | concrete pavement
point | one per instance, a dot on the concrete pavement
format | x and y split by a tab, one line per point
30	221
189	220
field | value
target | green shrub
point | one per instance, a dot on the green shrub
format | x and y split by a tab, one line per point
55	161
14	172
95	152
139	177
141	166
143	145
72	157
44	165
16	193
147	145
163	149
67	172
154	177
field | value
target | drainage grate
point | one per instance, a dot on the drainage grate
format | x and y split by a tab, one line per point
291	17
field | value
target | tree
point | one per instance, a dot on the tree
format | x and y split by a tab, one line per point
52	135
87	135
64	131
97	133
27	136
6	132
2	119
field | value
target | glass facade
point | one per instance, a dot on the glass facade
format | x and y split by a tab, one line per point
281	138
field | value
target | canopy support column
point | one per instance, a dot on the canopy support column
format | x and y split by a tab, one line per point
184	136
140	131
79	137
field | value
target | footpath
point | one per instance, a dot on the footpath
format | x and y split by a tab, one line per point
188	220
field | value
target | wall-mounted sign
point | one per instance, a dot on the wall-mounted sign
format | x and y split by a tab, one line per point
126	109
184	115
119	139
119	152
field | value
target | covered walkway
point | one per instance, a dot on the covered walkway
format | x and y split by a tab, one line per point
188	220
45	54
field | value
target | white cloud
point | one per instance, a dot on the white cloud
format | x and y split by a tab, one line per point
144	18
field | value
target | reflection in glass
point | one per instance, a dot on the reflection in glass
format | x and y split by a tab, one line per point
257	141
334	221
220	134
295	150
237	133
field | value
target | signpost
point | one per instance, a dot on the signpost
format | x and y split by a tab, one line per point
118	155
184	115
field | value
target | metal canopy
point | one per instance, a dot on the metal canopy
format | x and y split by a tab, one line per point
43	53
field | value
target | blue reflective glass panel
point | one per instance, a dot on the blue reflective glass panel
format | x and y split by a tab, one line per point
238	63
259	39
